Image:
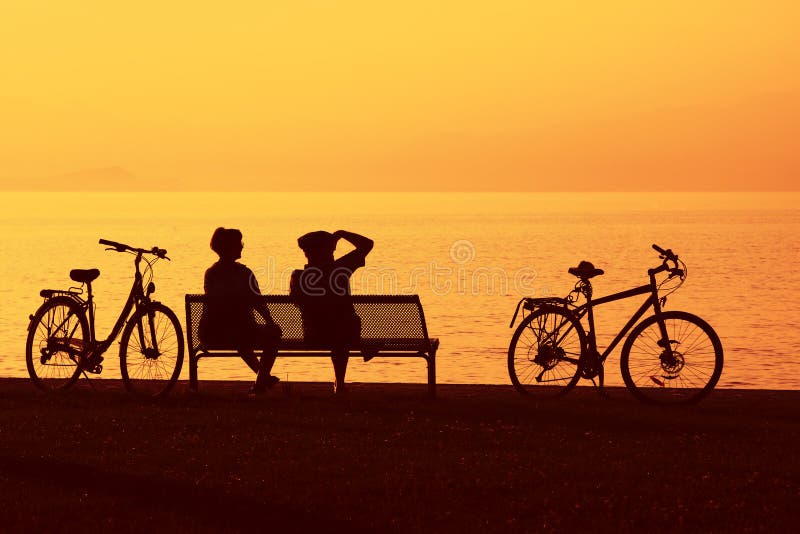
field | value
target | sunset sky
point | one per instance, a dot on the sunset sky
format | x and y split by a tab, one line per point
378	96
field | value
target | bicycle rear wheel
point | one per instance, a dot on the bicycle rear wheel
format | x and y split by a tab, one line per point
684	372
545	353
57	335
151	351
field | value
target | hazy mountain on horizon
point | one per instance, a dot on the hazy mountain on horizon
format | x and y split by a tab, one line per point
112	178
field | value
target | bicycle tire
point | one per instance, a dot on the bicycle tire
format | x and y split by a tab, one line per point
58	329
541	365
684	376
145	371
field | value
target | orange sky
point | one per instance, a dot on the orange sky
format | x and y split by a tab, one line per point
341	95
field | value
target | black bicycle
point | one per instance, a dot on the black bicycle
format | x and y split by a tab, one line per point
670	357
62	344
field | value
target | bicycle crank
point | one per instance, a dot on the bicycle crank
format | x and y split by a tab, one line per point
592	367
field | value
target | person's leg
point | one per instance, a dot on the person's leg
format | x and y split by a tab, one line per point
250	359
339	356
348	335
264	378
268	339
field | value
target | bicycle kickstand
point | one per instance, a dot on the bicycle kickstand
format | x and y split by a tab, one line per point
86	375
600	389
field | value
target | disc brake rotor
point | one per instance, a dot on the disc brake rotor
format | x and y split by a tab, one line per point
672	363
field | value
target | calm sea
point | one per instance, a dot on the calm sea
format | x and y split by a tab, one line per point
470	257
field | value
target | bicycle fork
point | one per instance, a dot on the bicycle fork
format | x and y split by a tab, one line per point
671	359
149	352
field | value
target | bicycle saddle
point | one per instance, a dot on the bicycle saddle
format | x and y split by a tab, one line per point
585	270
84	275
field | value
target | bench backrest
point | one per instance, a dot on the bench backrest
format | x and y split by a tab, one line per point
383	317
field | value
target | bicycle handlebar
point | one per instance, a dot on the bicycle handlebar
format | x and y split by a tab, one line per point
668	254
122	247
119	246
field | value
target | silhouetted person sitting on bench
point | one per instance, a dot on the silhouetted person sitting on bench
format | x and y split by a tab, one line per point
322	290
228	320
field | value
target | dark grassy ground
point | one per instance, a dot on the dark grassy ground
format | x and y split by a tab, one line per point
480	458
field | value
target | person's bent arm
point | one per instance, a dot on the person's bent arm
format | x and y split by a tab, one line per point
362	244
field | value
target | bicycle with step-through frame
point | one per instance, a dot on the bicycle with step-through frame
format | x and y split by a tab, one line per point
62	345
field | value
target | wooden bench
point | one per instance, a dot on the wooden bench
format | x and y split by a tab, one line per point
391	326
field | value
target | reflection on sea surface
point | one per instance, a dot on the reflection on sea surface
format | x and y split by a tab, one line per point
469	256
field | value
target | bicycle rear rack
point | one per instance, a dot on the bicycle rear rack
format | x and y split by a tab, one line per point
532	304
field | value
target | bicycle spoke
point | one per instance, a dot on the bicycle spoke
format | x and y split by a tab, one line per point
545	353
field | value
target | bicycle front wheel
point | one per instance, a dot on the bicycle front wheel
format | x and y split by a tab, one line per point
151	351
681	369
545	353
57	335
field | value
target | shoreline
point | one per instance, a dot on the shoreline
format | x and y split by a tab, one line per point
388	458
16	384
220	385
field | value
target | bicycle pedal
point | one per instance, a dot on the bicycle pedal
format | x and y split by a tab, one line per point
94	365
97	369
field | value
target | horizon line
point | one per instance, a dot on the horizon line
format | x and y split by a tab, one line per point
434	191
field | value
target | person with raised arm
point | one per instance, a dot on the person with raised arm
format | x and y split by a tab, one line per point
322	291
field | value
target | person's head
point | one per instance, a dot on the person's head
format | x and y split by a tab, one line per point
227	242
318	246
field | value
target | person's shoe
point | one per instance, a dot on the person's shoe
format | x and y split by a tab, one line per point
260	389
339	389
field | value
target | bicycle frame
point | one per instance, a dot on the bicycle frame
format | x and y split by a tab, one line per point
136	298
652	300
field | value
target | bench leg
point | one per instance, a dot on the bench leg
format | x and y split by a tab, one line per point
431	359
193	372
